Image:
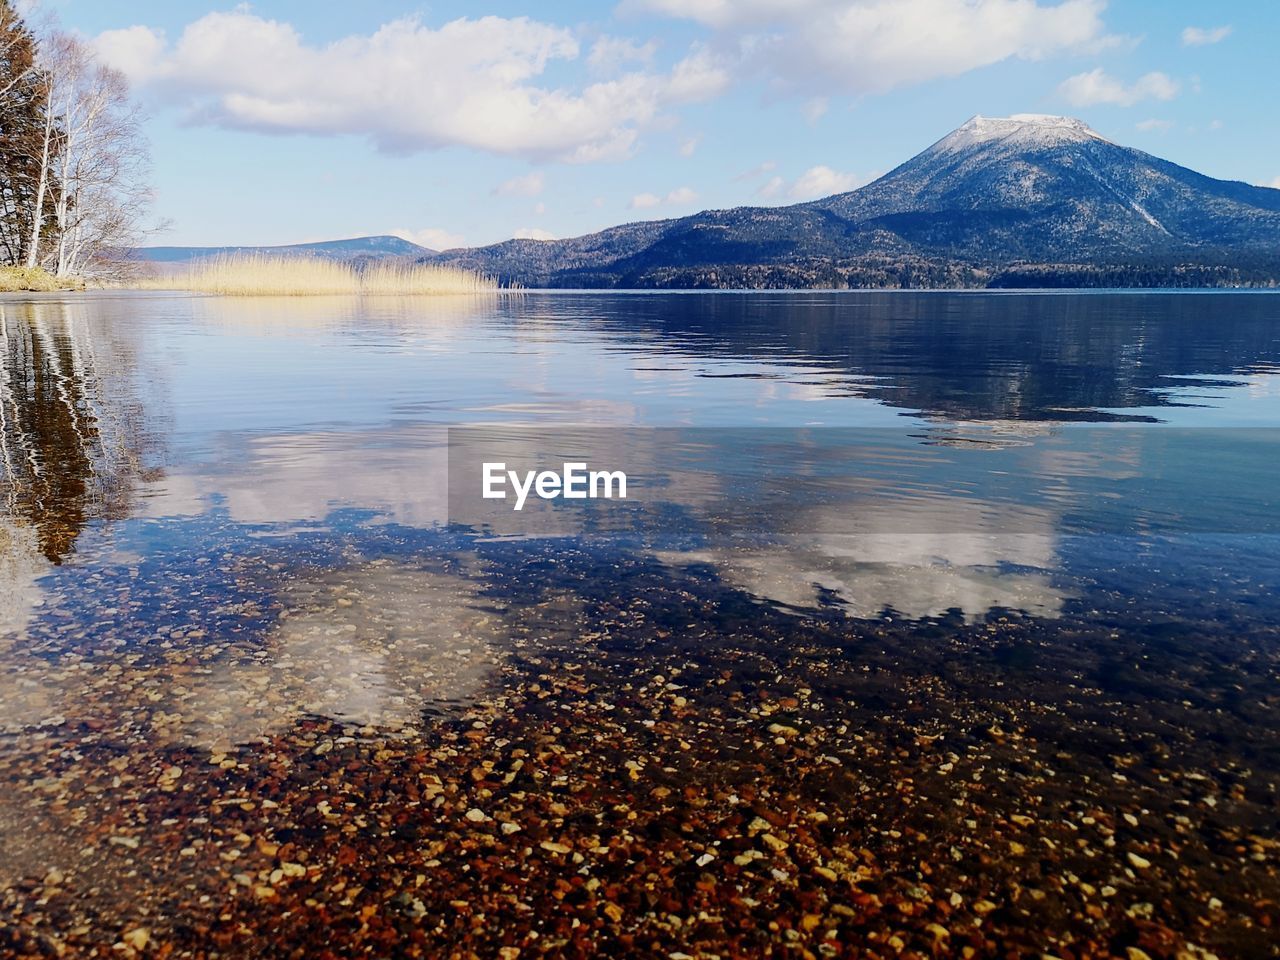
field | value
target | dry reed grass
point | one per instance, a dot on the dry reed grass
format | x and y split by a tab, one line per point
251	274
22	279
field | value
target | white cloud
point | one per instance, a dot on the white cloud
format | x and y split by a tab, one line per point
701	75
476	83
1275	183
1203	36
1154	125
1097	86
437	238
815	109
819	181
612	53
822	181
771	187
529	185
871	46
689	147
681	196
135	50
534	233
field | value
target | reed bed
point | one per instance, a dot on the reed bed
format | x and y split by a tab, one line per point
23	279
252	274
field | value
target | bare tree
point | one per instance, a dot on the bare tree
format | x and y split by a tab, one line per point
73	160
43	161
101	160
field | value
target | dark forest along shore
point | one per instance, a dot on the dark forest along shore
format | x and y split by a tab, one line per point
931	625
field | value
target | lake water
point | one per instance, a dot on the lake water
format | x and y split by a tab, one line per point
929	621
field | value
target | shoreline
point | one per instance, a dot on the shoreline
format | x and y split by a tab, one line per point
82	286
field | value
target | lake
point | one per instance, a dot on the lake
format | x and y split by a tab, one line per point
930	622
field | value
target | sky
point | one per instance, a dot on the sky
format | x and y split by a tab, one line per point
455	123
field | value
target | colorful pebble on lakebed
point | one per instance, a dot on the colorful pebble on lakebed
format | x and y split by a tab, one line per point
649	771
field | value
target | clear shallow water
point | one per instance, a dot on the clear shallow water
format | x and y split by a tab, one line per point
226	519
881	455
854	414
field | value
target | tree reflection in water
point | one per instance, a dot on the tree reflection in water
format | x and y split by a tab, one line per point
67	450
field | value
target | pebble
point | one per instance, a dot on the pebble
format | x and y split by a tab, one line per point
774	843
137	938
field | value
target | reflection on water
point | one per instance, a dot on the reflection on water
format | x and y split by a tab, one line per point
282	478
866	453
377	645
1009	357
303	689
420	321
908	574
23	684
21	565
71	448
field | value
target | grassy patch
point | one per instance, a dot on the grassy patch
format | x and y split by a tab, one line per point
264	275
22	279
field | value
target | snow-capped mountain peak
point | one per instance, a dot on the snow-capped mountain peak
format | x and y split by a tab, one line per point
1021	131
994	195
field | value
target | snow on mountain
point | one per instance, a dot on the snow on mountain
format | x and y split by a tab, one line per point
993	193
1041	187
1022	131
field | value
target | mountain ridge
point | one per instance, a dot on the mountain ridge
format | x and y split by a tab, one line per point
996	199
378	246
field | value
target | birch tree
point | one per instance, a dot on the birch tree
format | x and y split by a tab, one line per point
73	160
101	161
43	161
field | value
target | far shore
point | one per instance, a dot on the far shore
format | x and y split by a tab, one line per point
302	276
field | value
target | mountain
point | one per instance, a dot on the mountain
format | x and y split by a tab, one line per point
1027	200
357	248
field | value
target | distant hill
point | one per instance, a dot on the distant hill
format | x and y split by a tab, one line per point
1027	200
357	248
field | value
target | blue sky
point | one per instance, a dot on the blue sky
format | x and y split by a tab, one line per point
467	123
